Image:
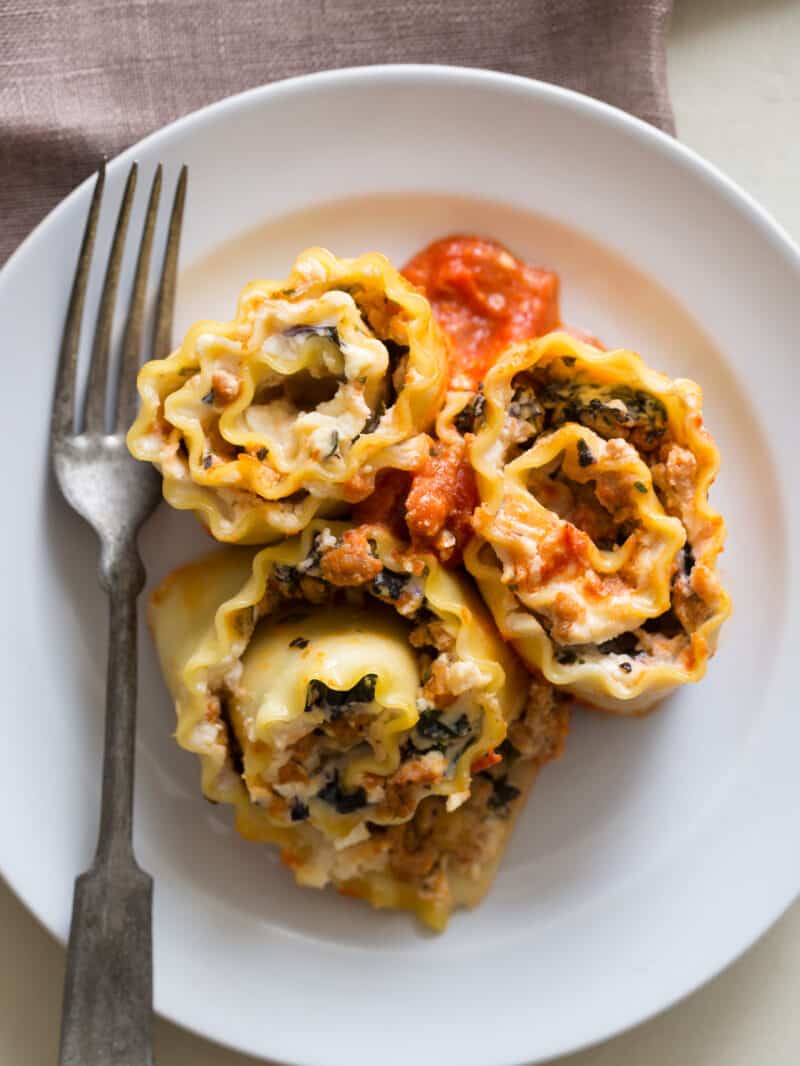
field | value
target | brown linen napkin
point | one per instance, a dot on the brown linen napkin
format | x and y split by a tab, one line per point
83	79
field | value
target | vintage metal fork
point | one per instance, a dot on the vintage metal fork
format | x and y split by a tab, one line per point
108	988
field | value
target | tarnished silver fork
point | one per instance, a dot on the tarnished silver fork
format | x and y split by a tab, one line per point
108	987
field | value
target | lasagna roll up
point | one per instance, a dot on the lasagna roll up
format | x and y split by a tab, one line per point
347	696
290	410
596	546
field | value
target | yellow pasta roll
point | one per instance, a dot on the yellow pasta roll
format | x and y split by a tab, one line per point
348	696
597	547
290	410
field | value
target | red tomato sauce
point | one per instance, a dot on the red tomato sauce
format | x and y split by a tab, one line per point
419	506
387	504
484	298
443	496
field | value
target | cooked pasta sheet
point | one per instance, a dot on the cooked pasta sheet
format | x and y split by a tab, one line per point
353	701
290	410
596	545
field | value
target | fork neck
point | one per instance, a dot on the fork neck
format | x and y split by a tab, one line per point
122	575
120	570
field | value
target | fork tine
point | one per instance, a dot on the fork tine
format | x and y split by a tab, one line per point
165	302
95	412
64	400
132	341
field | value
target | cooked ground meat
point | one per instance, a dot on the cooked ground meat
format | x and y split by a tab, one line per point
351	563
540	732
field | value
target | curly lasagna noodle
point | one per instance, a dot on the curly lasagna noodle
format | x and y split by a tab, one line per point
596	546
352	700
290	410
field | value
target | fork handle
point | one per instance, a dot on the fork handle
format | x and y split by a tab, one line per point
108	986
107	1015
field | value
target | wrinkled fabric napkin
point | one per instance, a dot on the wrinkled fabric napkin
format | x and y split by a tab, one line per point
83	79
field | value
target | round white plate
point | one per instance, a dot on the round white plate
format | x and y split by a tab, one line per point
656	850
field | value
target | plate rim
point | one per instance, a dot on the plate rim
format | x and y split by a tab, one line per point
665	142
667	146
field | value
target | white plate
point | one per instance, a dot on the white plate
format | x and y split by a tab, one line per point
657	850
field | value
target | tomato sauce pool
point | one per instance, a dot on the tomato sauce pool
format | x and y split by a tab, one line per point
484	298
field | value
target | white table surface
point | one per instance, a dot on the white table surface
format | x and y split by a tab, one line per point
735	80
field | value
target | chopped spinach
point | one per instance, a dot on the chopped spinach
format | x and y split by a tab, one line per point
299	642
566	656
612	410
471	414
667	624
585	457
431	726
319	695
234	747
502	793
389	584
364	690
330	333
344	802
372	422
335	701
286	578
262	454
396	352
624	644
688	559
209	397
314	557
298	812
525	405
507	751
643	407
334	445
408	750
